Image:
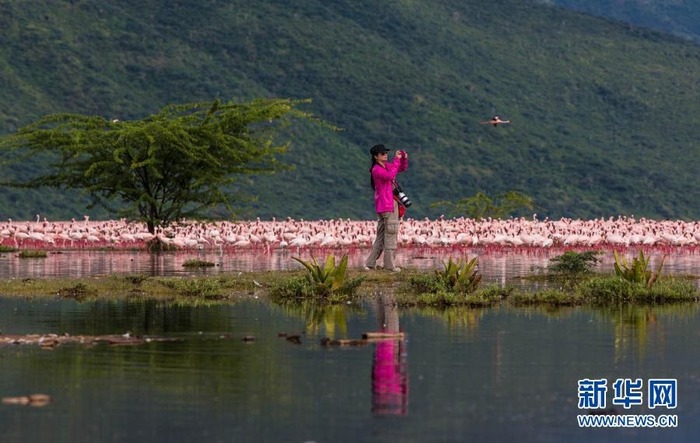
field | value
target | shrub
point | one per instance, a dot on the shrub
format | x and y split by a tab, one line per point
572	264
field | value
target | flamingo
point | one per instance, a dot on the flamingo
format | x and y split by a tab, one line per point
495	121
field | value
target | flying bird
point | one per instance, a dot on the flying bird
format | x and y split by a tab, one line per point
495	121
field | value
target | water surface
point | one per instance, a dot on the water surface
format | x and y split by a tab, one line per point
497	374
494	264
462	374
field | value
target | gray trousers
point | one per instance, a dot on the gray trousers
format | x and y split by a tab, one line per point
386	240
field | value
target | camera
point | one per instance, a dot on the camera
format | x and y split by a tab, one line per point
401	196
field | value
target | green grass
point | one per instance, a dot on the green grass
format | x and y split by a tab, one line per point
547	297
614	290
489	296
293	288
225	288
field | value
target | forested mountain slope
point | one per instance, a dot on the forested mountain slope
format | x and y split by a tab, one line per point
604	116
678	17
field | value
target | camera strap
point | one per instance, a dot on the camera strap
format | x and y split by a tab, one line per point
402	208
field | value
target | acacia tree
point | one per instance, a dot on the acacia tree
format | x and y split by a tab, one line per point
168	166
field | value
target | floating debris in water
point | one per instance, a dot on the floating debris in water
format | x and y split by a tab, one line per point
342	342
296	339
382	335
37	400
367	337
50	341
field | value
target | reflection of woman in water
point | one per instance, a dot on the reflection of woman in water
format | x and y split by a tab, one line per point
389	370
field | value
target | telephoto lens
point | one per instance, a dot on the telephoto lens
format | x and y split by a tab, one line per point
402	197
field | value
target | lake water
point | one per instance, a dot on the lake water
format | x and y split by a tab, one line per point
497	374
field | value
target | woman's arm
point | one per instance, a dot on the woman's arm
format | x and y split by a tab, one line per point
388	172
401	160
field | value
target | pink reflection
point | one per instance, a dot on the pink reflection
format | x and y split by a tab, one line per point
390	364
390	379
497	266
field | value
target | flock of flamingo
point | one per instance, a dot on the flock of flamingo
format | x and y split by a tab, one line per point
614	232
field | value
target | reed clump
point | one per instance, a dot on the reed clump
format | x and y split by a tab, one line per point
32	253
196	263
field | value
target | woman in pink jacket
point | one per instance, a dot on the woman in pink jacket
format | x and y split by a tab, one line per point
383	173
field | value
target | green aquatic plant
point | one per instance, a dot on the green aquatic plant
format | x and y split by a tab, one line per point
450	285
32	253
329	279
441	298
195	263
460	276
5	248
638	270
329	276
614	290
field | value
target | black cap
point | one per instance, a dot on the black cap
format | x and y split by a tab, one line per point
378	149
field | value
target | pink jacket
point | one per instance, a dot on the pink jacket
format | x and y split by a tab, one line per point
383	176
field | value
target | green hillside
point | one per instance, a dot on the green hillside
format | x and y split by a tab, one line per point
604	117
678	17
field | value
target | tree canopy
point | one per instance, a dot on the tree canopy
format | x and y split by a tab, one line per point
171	165
481	206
